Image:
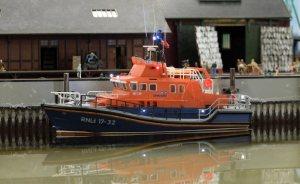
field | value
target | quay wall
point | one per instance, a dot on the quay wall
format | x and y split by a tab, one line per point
271	88
28	126
35	92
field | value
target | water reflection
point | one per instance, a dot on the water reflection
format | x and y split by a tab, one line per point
211	161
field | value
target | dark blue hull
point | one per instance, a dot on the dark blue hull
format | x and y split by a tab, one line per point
106	122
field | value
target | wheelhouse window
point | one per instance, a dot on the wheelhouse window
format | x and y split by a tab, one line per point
173	88
152	87
124	86
133	86
120	85
143	87
181	89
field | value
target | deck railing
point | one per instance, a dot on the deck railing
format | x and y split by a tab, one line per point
235	102
67	97
91	99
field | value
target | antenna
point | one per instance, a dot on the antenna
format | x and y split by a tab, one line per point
154	19
145	19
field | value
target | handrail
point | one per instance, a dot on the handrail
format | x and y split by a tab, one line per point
75	98
67	97
239	101
193	74
98	92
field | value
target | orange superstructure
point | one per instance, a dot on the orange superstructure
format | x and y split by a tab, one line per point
151	83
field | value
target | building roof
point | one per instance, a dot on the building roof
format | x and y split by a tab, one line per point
134	16
190	9
75	16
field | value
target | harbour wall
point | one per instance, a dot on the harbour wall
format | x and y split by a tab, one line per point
35	92
24	127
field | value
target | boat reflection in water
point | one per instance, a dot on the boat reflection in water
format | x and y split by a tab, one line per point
213	161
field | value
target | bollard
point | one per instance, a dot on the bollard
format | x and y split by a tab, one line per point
232	80
66	82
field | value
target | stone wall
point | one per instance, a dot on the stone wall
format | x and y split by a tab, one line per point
35	92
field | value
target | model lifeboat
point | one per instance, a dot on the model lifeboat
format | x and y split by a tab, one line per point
152	99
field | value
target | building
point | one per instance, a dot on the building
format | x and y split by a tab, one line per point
46	34
241	20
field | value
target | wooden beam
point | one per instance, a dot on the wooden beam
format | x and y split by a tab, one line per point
8	58
66	59
31	49
20	54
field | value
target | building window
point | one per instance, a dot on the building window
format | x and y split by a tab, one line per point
143	87
133	86
181	88
138	42
44	43
111	42
121	42
105	13
49	43
152	87
173	88
226	41
53	43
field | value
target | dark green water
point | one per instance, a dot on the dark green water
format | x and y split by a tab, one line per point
204	161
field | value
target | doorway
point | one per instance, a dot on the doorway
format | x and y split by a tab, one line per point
232	45
49	58
121	57
187	46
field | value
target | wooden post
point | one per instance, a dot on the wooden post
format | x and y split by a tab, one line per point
66	82
232	80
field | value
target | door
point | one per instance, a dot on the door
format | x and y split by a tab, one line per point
49	58
111	57
121	57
